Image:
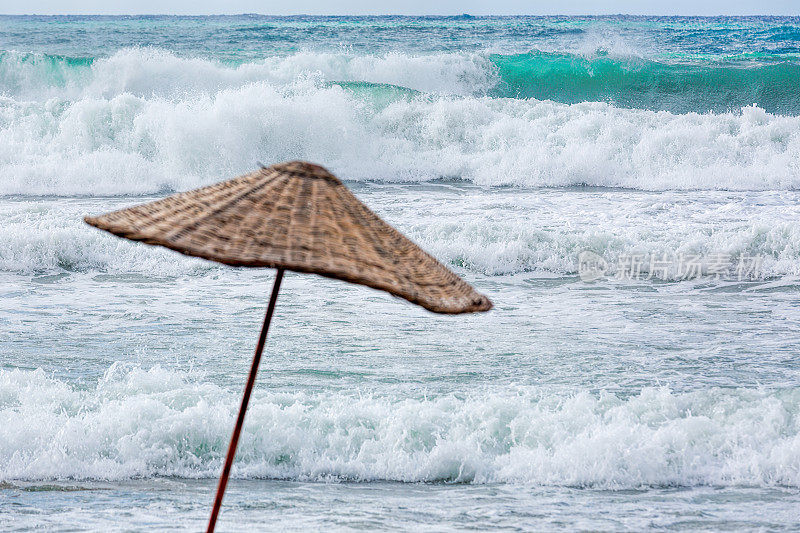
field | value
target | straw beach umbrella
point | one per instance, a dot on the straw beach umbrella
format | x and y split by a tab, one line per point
292	216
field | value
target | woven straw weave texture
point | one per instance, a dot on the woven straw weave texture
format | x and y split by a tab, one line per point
299	217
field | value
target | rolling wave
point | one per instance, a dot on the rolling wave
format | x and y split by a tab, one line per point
47	237
152	72
772	83
160	422
624	79
146	121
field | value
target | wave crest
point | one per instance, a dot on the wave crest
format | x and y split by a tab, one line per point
135	145
144	121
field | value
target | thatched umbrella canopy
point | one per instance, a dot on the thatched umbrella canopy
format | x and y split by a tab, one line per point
293	216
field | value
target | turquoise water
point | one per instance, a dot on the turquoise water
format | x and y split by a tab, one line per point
508	148
674	64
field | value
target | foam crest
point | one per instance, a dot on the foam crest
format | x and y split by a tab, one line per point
147	121
493	233
514	246
134	145
39	240
148	72
159	422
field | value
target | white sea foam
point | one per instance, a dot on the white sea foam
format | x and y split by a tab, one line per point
38	240
137	422
144	121
498	232
150	72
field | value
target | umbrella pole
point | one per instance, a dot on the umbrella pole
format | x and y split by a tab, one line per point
226	470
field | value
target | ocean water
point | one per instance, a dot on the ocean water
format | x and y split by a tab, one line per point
625	189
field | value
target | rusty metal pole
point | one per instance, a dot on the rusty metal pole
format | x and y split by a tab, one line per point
226	470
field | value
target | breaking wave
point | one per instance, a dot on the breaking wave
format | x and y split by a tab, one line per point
145	121
49	237
159	422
